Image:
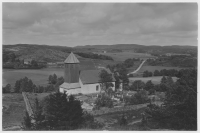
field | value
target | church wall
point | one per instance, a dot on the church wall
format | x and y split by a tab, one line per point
121	86
91	88
74	91
71	91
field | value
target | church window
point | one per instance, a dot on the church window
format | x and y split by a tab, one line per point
97	88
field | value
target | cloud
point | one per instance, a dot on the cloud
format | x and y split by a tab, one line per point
94	23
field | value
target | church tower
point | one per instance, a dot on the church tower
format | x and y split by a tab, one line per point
71	69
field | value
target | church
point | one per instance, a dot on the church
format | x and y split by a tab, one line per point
81	82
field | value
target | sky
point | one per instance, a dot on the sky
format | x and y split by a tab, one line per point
78	24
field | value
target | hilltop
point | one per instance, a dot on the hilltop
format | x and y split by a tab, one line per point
59	53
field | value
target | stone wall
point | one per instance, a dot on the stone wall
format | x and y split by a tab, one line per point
104	111
27	103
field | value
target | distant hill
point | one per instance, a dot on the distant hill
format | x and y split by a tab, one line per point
143	49
39	52
59	53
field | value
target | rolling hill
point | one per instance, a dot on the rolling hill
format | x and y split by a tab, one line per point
59	53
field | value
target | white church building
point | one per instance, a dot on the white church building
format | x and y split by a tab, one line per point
84	82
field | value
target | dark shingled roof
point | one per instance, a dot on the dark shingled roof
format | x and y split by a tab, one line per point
71	59
92	76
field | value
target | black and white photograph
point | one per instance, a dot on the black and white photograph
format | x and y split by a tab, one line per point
99	66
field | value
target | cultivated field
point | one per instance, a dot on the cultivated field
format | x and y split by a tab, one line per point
134	67
121	56
13	110
153	68
154	80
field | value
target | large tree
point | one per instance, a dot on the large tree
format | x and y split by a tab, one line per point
63	112
105	80
179	111
149	85
137	85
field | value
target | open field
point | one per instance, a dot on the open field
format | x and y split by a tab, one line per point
32	96
154	80
134	67
153	68
111	120
121	56
13	110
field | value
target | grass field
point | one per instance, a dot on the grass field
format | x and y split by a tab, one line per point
153	68
13	110
121	56
154	80
134	67
33	96
111	120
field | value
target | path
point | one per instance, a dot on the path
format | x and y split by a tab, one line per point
13	128
135	121
137	68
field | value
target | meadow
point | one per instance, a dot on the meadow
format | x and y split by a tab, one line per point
13	111
153	68
122	56
154	79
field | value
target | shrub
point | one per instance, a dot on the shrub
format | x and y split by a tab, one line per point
90	122
139	98
103	100
7	88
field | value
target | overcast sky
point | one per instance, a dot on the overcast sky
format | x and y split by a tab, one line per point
74	24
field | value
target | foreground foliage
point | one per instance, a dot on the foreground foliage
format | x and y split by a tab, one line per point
179	110
59	112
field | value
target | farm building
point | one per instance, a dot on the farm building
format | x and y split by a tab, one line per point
27	61
84	82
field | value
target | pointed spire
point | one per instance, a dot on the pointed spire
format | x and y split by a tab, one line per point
71	59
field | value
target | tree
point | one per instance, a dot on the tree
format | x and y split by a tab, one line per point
149	85
52	79
24	84
179	111
34	63
90	122
39	118
169	80
145	73
117	82
106	80
59	82
150	74
49	88
137	85
156	73
17	86
138	98
26	124
103	101
123	120
163	80
63	112
7	88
